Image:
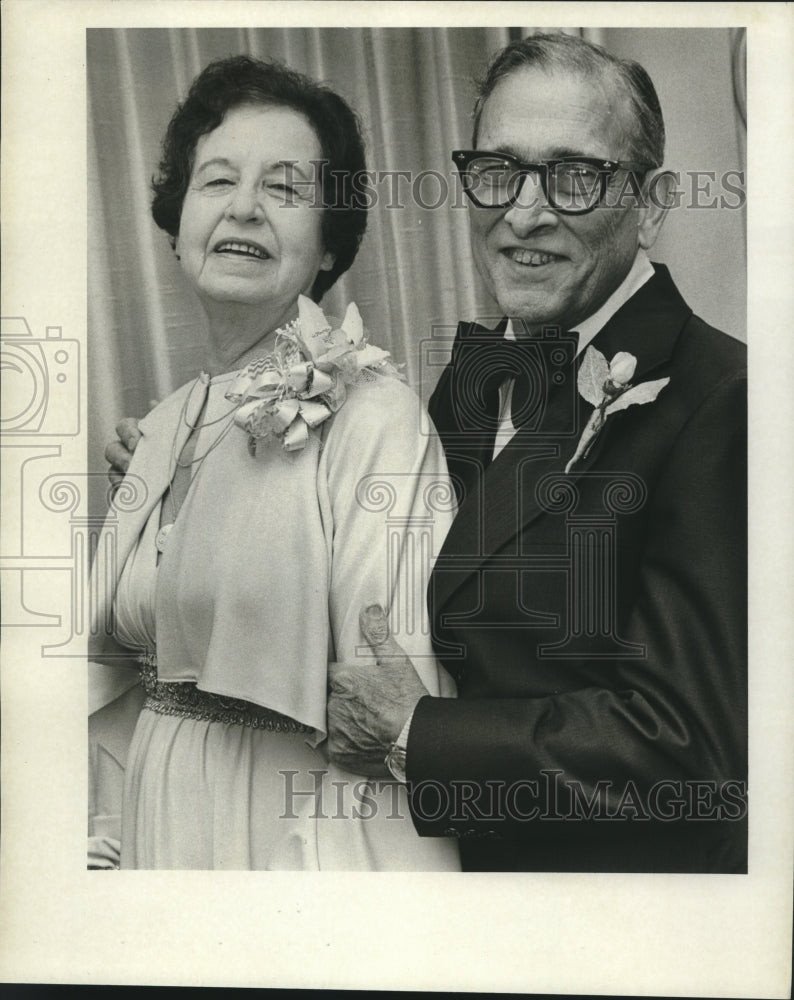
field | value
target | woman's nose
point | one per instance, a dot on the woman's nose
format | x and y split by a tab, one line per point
531	208
246	204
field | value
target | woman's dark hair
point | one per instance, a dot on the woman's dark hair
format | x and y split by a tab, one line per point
229	83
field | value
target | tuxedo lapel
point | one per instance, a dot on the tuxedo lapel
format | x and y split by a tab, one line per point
648	325
495	505
501	504
465	404
505	501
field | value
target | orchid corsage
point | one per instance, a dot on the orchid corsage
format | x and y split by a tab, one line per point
306	377
607	385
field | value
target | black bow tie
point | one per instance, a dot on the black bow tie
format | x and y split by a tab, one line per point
484	360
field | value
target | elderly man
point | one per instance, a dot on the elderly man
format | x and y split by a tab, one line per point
590	598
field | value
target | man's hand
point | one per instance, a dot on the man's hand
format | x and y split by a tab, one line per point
369	705
119	453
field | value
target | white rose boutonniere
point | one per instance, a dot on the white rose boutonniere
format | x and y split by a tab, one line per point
607	385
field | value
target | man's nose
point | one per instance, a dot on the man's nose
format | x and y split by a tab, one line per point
246	204
531	208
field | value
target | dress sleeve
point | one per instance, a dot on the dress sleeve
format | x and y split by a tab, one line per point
387	505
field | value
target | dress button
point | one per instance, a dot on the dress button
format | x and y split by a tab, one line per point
161	536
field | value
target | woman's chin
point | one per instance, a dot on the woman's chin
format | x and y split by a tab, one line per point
234	294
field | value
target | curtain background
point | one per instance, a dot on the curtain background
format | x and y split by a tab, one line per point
413	90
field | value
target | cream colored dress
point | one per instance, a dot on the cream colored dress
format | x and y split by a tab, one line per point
260	584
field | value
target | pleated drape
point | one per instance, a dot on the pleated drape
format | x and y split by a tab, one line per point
413	89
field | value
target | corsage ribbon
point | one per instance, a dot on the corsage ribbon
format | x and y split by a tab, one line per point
305	379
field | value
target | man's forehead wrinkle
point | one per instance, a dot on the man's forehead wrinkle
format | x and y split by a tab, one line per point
592	108
547	137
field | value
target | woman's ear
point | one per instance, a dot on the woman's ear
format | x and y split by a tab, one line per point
328	261
658	196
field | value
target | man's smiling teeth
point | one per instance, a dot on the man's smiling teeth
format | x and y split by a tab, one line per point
248	249
531	257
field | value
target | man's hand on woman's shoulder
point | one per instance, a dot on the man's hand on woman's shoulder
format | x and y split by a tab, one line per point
119	453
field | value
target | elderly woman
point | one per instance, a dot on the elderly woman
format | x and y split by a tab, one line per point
264	531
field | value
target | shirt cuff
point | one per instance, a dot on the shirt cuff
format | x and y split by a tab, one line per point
402	739
395	759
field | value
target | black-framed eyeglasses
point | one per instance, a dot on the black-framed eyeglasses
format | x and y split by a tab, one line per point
572	185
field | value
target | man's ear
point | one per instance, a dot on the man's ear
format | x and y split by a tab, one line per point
659	194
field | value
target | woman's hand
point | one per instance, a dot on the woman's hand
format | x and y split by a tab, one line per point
369	705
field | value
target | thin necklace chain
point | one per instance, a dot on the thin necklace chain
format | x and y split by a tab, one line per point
204	379
195	461
203	455
198	426
207	380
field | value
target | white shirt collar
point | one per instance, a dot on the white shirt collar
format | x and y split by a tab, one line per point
640	272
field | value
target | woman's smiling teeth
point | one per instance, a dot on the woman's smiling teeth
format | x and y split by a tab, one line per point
246	249
531	258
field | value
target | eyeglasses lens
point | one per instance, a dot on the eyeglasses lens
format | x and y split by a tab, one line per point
575	187
572	187
492	182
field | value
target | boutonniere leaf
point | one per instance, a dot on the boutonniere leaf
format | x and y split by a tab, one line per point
606	385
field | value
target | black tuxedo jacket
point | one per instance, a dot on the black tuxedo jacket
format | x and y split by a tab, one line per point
595	621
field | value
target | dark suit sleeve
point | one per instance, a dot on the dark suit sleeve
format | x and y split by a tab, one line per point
677	716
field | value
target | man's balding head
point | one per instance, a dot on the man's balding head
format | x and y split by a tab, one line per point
569	54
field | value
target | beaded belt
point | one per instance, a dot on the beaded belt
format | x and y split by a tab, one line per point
185	699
